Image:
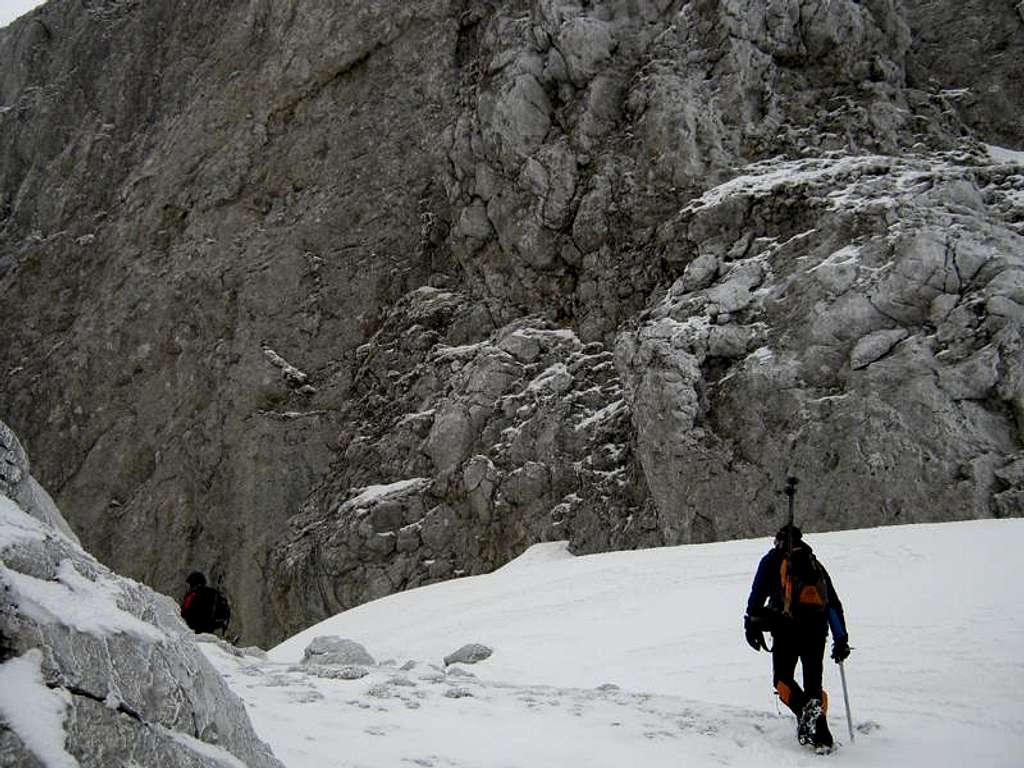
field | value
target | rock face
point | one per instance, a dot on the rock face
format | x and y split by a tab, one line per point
231	223
334	299
99	670
878	354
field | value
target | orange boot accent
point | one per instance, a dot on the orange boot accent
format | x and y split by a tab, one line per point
824	701
785	693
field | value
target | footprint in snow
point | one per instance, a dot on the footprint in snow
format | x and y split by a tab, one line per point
653	735
432	761
306	697
868	726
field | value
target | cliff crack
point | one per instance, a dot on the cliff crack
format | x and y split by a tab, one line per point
346	66
121	707
951	263
883	313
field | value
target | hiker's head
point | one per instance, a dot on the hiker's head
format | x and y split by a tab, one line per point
788	535
196	579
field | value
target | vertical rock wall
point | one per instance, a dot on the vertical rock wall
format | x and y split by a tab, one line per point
333	300
221	191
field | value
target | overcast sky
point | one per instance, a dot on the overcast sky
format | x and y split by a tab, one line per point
12	9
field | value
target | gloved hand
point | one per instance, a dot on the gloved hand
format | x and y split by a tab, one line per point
755	636
840	649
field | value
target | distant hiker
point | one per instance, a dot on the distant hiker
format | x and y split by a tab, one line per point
204	608
802	605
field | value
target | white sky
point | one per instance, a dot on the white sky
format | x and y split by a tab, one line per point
12	9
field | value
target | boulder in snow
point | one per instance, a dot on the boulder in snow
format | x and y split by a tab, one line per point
329	650
468	654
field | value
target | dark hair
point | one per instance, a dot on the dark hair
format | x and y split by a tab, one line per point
196	579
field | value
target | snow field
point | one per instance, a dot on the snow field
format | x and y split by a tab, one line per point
639	658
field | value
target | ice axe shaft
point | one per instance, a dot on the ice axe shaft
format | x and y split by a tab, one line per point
790	492
846	700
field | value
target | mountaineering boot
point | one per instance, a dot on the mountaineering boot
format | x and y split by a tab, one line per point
806	724
813	727
813	719
823	743
803	731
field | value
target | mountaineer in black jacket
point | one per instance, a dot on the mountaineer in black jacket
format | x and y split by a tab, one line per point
802	605
204	608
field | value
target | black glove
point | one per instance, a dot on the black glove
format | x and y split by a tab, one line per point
840	649
755	636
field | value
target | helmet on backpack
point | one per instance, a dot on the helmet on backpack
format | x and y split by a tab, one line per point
196	579
788	534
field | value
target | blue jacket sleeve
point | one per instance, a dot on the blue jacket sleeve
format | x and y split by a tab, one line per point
836	617
760	590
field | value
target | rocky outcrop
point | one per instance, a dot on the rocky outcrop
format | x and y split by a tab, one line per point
18	484
969	55
99	670
466	446
369	295
862	331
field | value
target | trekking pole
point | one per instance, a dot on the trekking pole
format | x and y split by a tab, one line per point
846	700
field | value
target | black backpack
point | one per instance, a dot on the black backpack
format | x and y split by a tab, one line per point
220	615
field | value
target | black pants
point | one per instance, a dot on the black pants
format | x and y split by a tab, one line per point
803	642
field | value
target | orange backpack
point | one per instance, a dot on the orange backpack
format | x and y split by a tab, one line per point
804	588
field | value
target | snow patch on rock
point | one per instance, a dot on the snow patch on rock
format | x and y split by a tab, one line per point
33	711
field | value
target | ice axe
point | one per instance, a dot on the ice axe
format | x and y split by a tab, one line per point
790	491
846	700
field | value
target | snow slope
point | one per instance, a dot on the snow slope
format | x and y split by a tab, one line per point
639	658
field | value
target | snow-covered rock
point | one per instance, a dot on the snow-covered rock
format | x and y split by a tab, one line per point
471	653
469	446
336	651
96	669
877	353
18	484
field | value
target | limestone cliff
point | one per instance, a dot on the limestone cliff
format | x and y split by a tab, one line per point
335	299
